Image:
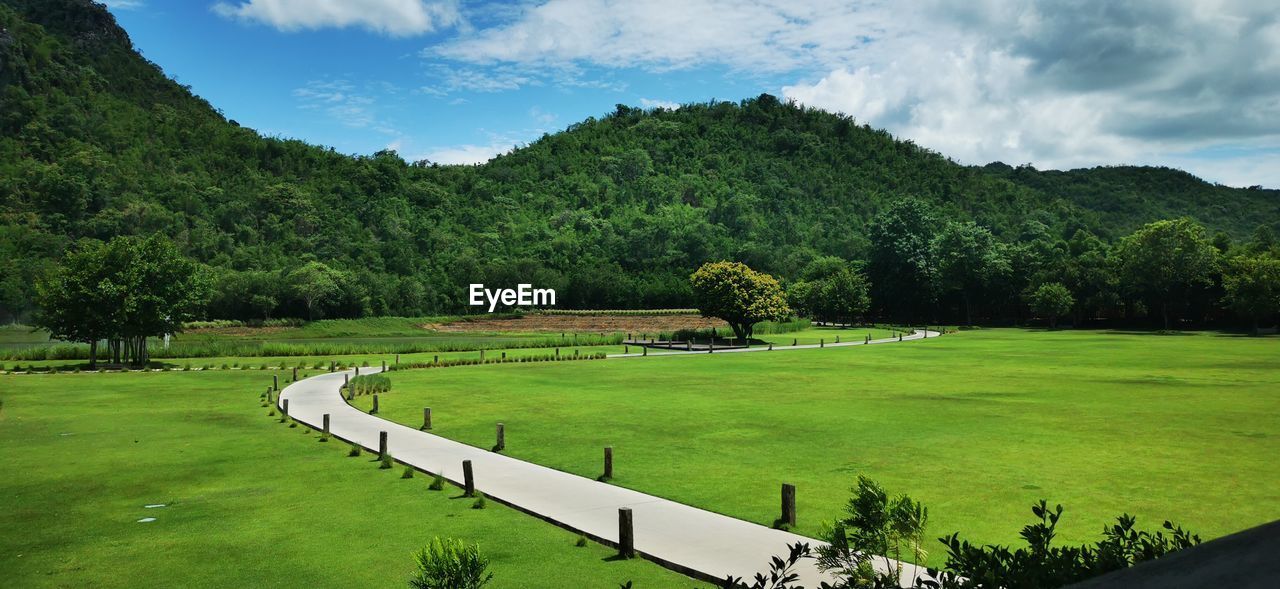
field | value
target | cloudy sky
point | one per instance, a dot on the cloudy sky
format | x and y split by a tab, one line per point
1193	84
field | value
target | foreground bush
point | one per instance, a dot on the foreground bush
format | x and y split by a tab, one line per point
450	564
875	527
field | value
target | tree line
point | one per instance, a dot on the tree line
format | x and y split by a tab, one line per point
924	267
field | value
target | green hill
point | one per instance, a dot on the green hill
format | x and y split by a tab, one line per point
613	212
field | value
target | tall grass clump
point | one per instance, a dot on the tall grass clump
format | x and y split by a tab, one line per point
370	384
447	563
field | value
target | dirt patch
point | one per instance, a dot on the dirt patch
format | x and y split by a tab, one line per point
581	324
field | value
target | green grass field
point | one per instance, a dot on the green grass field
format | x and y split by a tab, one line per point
250	502
978	425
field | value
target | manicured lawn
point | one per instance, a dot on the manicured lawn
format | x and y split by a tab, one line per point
978	425
250	502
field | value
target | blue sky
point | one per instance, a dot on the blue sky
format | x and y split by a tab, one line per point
1166	83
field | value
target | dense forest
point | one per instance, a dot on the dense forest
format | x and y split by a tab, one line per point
613	212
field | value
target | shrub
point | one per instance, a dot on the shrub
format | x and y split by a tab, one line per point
437	483
479	503
581	542
370	384
408	473
450	564
354	451
385	463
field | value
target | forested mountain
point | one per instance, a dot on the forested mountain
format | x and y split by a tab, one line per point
95	142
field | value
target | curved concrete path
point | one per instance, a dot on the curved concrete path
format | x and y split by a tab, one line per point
694	541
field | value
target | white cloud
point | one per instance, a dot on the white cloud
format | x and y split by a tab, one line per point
655	103
397	18
467	154
1054	88
672	34
344	102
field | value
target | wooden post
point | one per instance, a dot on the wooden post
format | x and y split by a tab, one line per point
397	359
331	366
275	381
375	405
295	374
482	355
626	349
426	418
284	411
789	504
793	342
346	379
468	480
608	462
357	370
711	347
644	351
502	438
626	533
326	425
384	365
688	345
382	445
557	352
504	355
837	339
770	346
436	360
269	395
822	343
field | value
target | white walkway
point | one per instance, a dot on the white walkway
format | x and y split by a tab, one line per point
690	540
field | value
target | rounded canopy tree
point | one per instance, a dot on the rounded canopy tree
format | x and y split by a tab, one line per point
1051	300
739	295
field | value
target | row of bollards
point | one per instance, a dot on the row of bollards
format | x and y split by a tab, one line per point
626	519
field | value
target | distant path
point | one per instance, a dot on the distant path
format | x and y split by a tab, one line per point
693	541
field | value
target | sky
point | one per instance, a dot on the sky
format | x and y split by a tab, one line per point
1191	84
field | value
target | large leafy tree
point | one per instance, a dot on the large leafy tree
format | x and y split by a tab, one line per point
1252	284
80	298
316	284
901	264
739	295
123	292
968	258
842	297
1051	300
1164	261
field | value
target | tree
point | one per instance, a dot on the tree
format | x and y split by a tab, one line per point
79	298
802	297
1253	287
315	284
968	256
447	563
123	291
1163	261
1051	300
739	295
842	297
901	265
